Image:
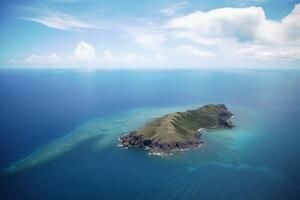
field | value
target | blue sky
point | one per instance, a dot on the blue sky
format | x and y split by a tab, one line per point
150	34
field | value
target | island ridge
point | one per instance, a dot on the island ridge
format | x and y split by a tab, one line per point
178	130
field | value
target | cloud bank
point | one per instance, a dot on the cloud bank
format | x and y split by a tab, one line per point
245	31
85	55
209	38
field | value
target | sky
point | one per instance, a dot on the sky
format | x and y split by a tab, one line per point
143	34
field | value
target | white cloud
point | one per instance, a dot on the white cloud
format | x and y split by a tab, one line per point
171	10
224	34
257	51
145	33
132	57
60	21
143	60
85	55
284	32
216	25
149	39
230	29
33	58
194	51
85	51
108	55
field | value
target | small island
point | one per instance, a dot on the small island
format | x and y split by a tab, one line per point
178	131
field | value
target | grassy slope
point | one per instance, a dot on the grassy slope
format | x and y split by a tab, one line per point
181	126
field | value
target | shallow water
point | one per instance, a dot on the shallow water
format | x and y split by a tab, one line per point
66	124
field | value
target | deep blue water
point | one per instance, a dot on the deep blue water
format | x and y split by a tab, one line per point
259	159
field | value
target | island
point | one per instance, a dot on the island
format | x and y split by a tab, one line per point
178	131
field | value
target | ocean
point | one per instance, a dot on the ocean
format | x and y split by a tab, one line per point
59	130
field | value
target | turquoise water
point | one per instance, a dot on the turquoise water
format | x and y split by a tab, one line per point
59	133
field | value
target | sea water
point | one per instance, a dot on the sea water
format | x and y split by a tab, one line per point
59	130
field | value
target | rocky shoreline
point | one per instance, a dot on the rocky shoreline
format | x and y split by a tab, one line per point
156	148
177	131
